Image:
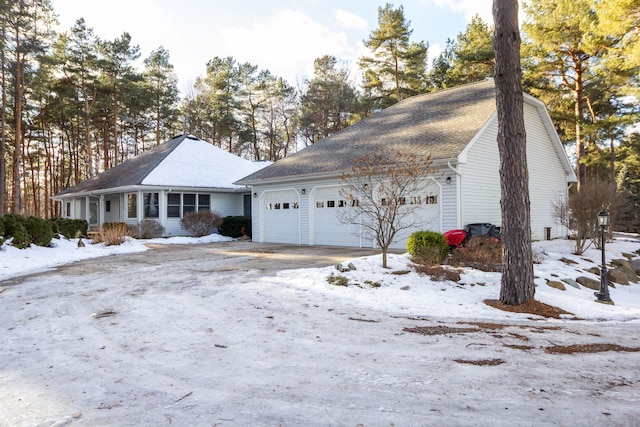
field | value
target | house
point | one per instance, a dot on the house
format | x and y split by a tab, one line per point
181	175
296	199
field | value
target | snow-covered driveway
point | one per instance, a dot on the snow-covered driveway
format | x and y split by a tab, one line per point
200	338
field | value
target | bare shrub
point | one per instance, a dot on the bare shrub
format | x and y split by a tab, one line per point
112	235
149	229
481	252
201	223
580	213
378	192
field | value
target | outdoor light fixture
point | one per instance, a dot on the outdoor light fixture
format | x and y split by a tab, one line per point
603	295
448	180
303	191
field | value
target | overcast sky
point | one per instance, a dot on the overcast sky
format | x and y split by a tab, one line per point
283	36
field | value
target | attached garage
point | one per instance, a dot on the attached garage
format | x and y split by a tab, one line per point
455	128
281	216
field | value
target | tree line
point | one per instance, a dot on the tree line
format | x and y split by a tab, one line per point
74	104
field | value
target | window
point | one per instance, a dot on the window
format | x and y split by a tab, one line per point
342	203
107	206
173	205
415	200
294	205
402	201
132	205
188	203
431	200
320	204
285	206
68	209
268	206
204	202
385	202
355	202
331	203
276	206
151	205
179	204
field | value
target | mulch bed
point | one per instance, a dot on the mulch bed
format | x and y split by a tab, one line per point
531	307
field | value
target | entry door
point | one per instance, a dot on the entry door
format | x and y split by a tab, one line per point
93	214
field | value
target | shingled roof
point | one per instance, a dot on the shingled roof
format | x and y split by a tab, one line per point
439	124
184	161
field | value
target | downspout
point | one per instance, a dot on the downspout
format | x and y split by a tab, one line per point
458	195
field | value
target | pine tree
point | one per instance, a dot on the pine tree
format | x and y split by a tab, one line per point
162	87
28	33
77	50
328	101
517	286
397	68
473	57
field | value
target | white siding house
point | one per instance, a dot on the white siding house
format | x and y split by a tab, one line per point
296	200
181	175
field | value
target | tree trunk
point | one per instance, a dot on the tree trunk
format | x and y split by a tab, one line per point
3	137
580	147
517	284
17	151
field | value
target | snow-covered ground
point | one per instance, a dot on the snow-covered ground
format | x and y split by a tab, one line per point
149	345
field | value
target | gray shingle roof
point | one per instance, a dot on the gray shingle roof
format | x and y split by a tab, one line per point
440	124
130	172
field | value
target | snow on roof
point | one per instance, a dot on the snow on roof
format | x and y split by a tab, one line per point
196	163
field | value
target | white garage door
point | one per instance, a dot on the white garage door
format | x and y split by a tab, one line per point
281	212
327	229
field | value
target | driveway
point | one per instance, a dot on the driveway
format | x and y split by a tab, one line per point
213	258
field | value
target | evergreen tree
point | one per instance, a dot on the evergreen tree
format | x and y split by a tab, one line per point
328	101
77	51
473	57
278	115
517	285
28	32
397	68
162	85
222	84
118	76
563	53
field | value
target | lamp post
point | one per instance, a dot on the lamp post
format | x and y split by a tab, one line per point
603	295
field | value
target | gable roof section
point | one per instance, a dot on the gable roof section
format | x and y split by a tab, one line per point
439	124
184	161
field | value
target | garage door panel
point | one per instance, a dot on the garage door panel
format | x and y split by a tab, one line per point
281	212
328	230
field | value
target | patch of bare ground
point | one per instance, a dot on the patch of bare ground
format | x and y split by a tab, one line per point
439	330
587	348
487	325
481	362
519	347
530	307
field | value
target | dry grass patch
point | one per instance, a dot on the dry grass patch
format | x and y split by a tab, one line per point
587	348
482	253
439	273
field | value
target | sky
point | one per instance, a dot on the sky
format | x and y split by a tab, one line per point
136	339
283	36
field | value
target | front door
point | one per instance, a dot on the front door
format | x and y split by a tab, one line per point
93	214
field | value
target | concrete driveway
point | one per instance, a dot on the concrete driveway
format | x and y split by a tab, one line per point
245	255
211	258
